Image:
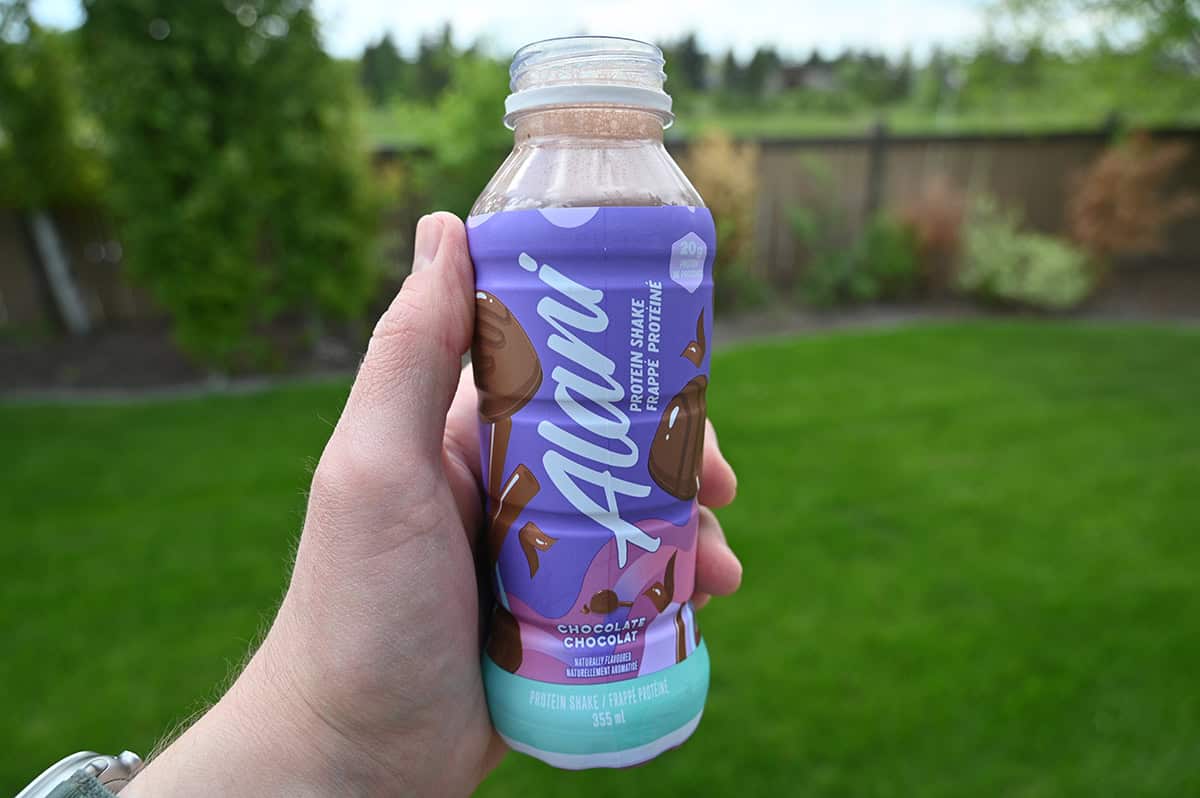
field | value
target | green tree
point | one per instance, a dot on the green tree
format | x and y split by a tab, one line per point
470	141
902	79
686	65
763	65
989	72
934	85
435	63
382	70
239	168
1168	29
1141	60
48	156
867	76
731	73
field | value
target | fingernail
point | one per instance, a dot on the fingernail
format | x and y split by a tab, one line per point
426	242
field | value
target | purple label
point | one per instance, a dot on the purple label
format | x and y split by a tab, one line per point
591	355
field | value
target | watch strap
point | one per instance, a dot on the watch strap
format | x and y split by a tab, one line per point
80	785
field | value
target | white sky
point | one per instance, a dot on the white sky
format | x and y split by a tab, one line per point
794	26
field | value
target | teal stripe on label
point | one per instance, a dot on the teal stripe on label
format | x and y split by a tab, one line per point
596	718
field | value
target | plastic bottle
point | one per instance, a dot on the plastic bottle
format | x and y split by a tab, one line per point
593	257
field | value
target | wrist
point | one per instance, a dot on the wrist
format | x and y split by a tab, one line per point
262	739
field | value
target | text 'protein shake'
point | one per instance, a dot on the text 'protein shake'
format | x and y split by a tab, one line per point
593	265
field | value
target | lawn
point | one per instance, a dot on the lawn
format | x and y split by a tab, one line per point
972	567
407	124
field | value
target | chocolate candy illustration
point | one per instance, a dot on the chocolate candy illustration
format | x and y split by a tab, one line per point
534	540
663	593
605	601
516	494
504	642
695	350
508	373
678	444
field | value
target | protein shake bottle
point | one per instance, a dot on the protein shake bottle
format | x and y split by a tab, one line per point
593	265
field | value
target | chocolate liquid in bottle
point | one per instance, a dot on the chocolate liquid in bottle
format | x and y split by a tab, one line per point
593	264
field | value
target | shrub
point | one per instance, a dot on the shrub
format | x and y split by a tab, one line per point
1003	263
239	173
880	265
823	239
935	214
726	175
839	265
1121	205
828	275
887	254
740	290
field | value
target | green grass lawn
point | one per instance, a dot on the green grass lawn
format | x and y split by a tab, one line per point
792	123
972	562
414	125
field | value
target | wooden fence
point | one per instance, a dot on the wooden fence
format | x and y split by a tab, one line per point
1034	173
878	170
94	251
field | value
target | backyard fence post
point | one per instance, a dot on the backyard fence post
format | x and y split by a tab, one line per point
49	244
876	163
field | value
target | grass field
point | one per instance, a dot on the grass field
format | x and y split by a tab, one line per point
414	125
971	553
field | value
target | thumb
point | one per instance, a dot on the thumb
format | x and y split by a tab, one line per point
395	416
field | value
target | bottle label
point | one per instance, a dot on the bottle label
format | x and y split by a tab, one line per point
591	355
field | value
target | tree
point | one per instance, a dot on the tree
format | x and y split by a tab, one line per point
470	140
382	70
47	157
731	73
1139	58
902	79
686	64
763	65
865	75
434	64
239	170
1170	29
933	88
989	73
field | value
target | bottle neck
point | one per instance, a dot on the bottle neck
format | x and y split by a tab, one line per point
588	123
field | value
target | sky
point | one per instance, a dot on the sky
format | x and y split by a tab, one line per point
793	26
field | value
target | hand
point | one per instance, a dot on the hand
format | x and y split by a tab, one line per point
368	682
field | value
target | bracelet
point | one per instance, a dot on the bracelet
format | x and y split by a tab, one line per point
85	774
80	785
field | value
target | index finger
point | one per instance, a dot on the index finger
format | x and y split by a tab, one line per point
718	483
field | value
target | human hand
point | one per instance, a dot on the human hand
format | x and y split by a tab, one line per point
368	682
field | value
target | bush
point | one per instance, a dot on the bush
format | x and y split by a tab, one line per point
1003	263
935	214
726	175
829	275
887	254
239	173
1122	206
838	268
